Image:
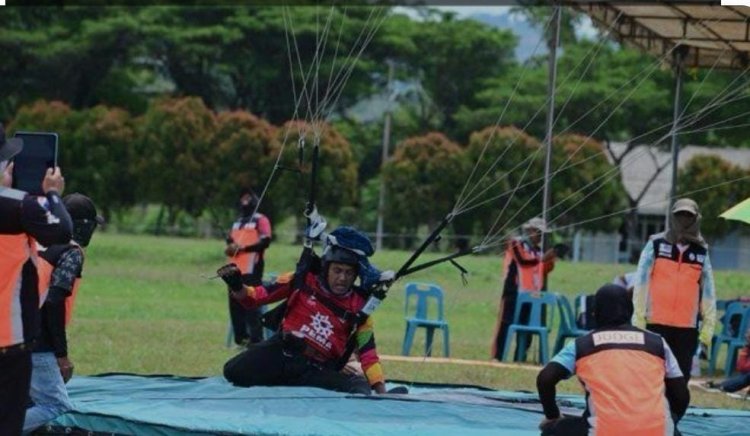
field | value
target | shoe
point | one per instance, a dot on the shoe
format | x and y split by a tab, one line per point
711	386
242	344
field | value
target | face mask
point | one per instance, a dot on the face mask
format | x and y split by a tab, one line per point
83	230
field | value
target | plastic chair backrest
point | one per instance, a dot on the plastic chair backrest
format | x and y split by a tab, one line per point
734	308
722	304
567	317
423	292
537	300
740	334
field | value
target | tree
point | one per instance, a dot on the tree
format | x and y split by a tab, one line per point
175	145
336	183
63	54
243	145
422	179
506	186
584	185
619	95
705	179
100	158
457	58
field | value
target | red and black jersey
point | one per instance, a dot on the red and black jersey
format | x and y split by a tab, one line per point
326	321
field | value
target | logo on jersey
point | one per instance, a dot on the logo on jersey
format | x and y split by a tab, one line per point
665	250
319	330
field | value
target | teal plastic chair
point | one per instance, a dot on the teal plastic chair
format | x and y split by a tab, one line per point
537	300
424	293
734	340
568	327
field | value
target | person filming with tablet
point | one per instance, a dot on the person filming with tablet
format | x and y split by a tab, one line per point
24	219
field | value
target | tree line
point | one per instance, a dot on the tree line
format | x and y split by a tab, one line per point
180	106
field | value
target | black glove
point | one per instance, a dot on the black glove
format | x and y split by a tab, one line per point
232	276
561	250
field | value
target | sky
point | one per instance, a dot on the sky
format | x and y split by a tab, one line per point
586	29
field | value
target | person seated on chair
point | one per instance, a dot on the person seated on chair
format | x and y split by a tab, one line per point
632	379
525	269
321	321
741	380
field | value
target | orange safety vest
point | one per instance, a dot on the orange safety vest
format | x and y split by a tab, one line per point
15	251
46	265
674	292
529	265
623	372
244	234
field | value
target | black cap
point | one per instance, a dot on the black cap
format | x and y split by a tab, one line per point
9	147
80	207
335	254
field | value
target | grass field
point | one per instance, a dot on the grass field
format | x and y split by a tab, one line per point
146	306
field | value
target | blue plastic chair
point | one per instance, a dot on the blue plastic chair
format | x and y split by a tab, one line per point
568	327
733	339
537	300
424	292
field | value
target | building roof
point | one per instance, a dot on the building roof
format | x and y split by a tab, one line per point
712	34
640	164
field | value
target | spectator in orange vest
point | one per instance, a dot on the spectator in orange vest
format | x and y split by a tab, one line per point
24	219
525	269
674	285
741	380
632	380
247	242
60	271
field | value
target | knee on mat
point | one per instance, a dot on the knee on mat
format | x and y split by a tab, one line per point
233	374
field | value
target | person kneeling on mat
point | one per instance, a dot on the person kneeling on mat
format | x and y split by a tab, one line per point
632	380
321	322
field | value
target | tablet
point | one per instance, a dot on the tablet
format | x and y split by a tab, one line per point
30	165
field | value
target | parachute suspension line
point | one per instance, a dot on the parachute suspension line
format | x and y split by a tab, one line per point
692	118
338	80
335	57
611	114
616	170
590	55
728	97
717	126
490	238
500	241
536	152
306	77
524	71
304	94
716	185
703	81
298	101
599	46
338	88
544	185
648	74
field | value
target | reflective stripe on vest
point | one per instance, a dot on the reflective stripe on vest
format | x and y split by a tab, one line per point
623	374
15	251
530	277
243	235
675	290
